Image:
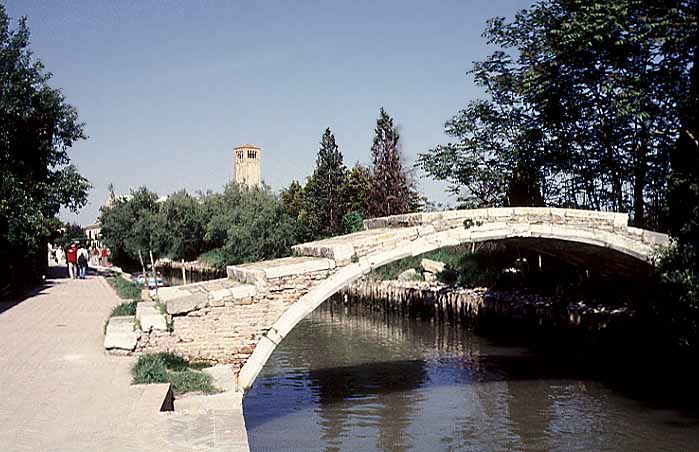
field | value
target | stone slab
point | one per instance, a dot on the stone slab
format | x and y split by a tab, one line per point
223	377
166	294
121	333
432	266
260	272
234	293
149	316
341	253
155	397
183	305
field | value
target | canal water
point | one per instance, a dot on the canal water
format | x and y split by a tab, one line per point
365	381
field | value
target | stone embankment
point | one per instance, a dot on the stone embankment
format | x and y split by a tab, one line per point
479	306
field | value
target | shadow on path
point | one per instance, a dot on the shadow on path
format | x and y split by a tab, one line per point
54	274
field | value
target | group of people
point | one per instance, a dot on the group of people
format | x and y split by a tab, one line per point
77	256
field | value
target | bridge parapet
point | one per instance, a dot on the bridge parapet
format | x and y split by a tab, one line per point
427	231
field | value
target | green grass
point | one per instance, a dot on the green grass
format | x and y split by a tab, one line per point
126	308
190	380
168	367
125	289
149	369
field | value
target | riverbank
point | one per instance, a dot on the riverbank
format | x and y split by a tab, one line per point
477	307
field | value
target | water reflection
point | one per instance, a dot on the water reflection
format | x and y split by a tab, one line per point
355	380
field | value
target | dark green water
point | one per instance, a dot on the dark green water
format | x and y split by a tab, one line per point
344	381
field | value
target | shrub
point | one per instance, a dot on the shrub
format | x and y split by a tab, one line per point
150	369
190	380
168	367
126	308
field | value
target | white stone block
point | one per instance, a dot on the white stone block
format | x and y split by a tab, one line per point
432	266
121	334
150	317
184	305
244	291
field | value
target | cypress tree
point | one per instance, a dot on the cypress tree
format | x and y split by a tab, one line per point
323	191
392	189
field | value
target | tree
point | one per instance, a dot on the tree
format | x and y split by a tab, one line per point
292	199
678	306
251	225
355	189
392	189
128	225
581	109
180	227
323	208
37	127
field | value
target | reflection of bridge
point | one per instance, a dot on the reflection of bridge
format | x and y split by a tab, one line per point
240	320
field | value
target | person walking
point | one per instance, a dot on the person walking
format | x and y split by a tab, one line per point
83	255
72	258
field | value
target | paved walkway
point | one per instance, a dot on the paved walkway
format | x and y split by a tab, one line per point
59	391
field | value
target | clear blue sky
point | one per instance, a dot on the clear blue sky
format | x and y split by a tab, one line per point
167	89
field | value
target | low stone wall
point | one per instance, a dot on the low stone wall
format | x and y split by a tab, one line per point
479	307
222	321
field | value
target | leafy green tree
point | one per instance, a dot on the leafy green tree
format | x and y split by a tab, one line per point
180	227
392	189
355	189
677	307
37	127
322	194
581	109
251	225
69	232
292	199
128	225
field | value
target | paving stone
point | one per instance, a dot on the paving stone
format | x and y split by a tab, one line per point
121	333
183	305
149	316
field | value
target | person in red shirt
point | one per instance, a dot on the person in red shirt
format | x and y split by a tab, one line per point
72	258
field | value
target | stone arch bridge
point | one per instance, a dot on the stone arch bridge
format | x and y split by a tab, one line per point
241	319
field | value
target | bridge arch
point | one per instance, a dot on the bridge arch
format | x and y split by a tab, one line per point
389	239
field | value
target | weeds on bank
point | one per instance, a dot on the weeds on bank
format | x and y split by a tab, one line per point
126	308
125	289
170	368
451	256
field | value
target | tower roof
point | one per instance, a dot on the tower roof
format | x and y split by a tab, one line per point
247	146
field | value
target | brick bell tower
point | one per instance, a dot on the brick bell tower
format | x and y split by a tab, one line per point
246	165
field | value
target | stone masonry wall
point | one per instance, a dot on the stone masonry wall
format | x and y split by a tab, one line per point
227	330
